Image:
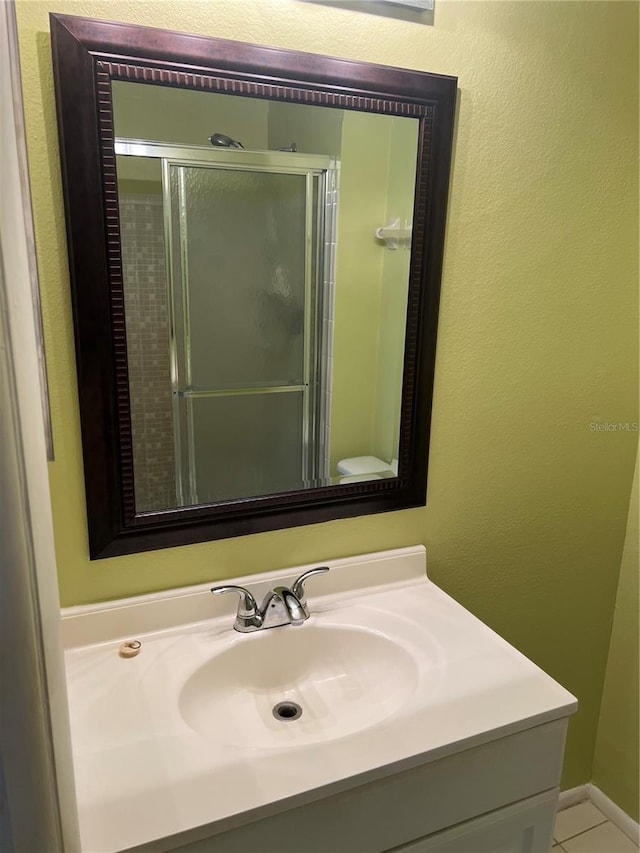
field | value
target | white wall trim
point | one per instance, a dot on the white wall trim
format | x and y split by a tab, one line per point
573	796
609	809
35	739
615	814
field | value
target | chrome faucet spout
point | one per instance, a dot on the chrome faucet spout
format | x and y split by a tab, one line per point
281	606
292	605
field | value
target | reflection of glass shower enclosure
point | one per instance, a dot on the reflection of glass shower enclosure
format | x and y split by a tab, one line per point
248	240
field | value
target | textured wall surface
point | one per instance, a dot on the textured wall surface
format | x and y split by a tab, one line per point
615	764
527	505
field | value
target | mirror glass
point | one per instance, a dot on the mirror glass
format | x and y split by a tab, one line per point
265	312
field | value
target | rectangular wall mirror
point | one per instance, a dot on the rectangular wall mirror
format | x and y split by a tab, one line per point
255	243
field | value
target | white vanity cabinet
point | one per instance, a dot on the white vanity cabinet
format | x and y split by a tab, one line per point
524	827
421	729
499	797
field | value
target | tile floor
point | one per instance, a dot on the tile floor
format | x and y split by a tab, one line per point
584	829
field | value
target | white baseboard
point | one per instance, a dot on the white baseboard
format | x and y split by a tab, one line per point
573	796
615	814
608	808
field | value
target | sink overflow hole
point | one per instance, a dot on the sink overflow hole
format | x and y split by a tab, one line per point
287	711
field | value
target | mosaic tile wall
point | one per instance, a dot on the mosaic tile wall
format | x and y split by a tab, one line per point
147	316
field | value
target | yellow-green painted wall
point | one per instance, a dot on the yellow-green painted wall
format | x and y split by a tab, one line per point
364	160
315	130
538	325
616	760
163	114
403	147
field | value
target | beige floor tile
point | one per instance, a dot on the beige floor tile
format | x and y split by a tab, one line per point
605	838
576	819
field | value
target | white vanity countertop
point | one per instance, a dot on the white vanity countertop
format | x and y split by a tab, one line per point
143	773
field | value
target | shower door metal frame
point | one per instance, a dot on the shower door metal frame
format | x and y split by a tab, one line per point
319	256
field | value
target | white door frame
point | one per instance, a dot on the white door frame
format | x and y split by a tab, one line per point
37	795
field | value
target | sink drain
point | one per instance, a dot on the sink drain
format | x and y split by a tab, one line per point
287	711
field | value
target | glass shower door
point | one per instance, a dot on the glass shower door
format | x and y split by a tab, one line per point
241	255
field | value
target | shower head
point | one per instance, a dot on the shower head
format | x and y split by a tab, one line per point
221	141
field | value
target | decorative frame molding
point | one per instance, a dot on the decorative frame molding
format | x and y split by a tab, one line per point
87	56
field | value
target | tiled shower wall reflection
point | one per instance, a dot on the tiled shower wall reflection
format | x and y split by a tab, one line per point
147	317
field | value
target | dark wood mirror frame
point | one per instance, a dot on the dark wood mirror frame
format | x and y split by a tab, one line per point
87	56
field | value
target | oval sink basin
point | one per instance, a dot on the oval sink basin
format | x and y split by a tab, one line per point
342	679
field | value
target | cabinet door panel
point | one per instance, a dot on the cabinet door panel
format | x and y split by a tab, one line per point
525	827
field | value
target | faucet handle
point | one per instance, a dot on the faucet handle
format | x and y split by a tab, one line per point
298	587
247	607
